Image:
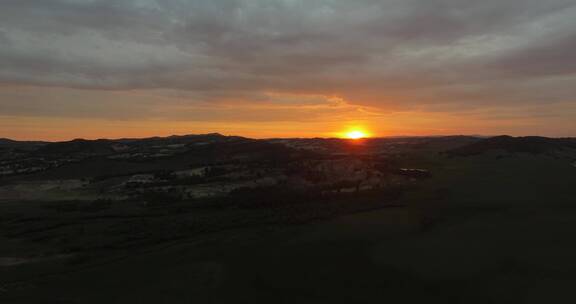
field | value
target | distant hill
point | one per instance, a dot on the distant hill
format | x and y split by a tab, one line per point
110	146
529	144
14	144
424	144
100	146
97	158
218	145
180	139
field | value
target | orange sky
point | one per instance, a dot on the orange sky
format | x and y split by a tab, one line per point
63	114
331	125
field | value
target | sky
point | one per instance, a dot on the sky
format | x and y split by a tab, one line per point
286	68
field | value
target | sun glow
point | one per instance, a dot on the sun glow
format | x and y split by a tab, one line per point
355	134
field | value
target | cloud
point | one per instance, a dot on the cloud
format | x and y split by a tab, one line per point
391	55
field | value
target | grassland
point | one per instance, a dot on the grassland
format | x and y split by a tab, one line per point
483	229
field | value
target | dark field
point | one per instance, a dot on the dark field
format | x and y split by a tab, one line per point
489	227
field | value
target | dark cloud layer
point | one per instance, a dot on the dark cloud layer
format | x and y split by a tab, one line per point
449	55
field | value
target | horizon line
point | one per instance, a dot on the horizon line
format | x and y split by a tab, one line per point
273	138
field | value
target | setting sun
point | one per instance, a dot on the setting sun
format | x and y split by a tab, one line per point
356	134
